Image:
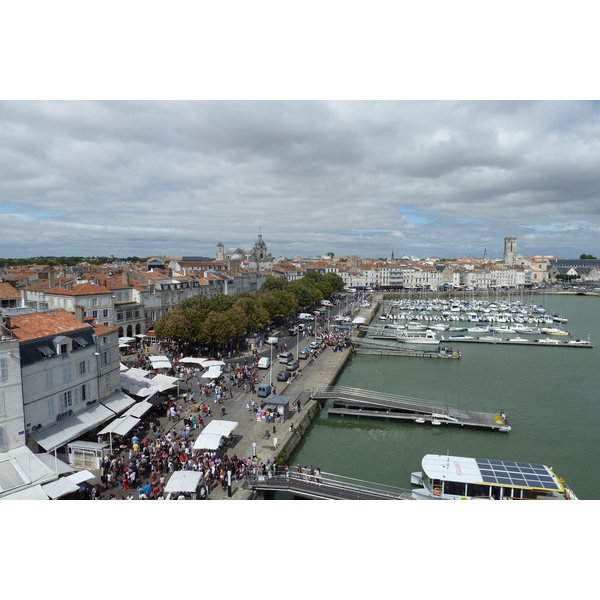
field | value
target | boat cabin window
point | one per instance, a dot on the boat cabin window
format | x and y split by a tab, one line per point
477	490
511	493
454	487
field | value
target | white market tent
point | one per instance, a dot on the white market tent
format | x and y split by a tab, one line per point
185	482
359	320
208	441
138	410
212	373
66	485
160	362
212	363
210	438
192	360
127	340
225	428
120	426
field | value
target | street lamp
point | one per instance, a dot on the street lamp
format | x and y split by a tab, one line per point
271	367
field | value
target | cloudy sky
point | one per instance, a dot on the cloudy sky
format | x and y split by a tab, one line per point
423	178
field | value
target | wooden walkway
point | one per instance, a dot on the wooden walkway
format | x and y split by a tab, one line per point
365	403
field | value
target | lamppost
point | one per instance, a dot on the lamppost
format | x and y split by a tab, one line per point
271	367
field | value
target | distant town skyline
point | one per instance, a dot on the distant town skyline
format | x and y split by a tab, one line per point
431	178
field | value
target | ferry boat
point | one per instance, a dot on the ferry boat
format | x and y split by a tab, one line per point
418	337
458	478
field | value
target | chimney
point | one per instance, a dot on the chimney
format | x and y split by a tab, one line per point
125	278
79	313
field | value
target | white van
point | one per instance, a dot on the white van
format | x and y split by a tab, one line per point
264	362
326	303
272	340
306	317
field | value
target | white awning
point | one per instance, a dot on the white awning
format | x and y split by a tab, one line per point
81	476
192	360
163	382
125	340
208	441
60	467
68	429
34	492
183	481
60	487
213	363
118	402
212	373
220	427
120	426
359	320
139	409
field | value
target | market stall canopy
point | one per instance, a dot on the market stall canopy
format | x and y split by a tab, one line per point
127	340
359	320
212	363
212	373
120	426
160	362
225	428
183	481
208	441
60	487
193	360
118	402
139	409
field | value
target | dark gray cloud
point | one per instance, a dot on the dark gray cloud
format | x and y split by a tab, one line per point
364	177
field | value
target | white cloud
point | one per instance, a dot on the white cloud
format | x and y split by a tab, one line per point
432	178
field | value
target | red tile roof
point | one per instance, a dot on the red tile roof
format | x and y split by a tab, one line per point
44	324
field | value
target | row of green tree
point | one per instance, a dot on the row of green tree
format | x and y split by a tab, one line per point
218	320
66	261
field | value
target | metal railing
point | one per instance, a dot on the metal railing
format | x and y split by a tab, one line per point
330	485
344	391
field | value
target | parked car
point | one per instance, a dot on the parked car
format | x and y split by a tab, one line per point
315	344
303	354
293	330
283	375
264	362
285	357
292	366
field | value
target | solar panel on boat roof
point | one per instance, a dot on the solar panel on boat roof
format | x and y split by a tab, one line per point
514	473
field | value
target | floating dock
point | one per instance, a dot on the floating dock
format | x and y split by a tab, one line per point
365	403
551	344
380	348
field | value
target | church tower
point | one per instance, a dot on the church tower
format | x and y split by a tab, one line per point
510	250
220	255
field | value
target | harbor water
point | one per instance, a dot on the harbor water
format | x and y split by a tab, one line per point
550	396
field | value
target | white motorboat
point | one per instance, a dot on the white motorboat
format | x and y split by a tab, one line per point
458	478
582	343
517	340
553	331
418	337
